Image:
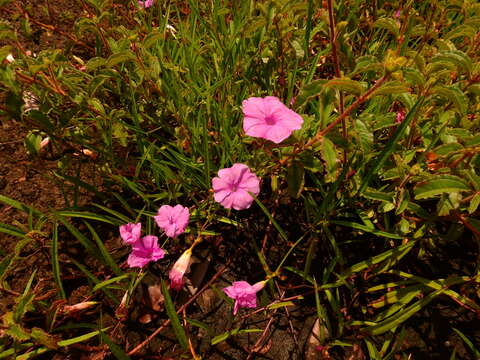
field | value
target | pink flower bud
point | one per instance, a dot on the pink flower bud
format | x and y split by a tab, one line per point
178	270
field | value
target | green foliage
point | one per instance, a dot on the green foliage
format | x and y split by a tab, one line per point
154	104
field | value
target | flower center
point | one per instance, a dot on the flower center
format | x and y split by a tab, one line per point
270	120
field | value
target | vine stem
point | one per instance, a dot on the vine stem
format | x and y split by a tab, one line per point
336	61
360	100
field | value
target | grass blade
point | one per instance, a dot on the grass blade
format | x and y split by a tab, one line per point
172	314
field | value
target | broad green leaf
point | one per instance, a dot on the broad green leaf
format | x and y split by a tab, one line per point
474	202
120	57
391	88
329	155
388	24
453	94
95	63
438	185
345	84
460	31
295	179
455	57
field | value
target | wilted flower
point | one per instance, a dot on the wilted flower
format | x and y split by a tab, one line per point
145	4
31	101
268	118
10	58
232	185
130	232
145	250
244	294
178	270
172	220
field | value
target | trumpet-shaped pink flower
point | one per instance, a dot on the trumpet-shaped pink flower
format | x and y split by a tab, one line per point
268	118
178	270
172	220
145	250
244	294
130	232
145	3
232	185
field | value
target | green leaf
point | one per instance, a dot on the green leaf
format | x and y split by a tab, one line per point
295	179
438	185
152	38
172	315
56	263
329	155
95	63
43	338
390	146
455	57
120	57
388	24
474	203
348	85
460	31
400	317
469	343
362	265
116	350
367	63
19	206
110	281
453	94
391	88
11	230
80	338
309	91
82	239
103	250
366	229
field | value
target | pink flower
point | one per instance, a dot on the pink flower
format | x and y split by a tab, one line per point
145	250
172	220
145	4
268	118
400	116
232	185
178	270
130	232
244	294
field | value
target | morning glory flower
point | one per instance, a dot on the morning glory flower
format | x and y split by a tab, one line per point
144	251
232	186
172	220
244	294
130	232
268	118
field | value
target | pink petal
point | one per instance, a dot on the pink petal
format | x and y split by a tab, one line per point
254	107
136	261
278	133
241	200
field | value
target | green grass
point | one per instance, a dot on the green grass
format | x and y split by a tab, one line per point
366	216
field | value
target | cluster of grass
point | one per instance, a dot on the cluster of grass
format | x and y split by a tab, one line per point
382	177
